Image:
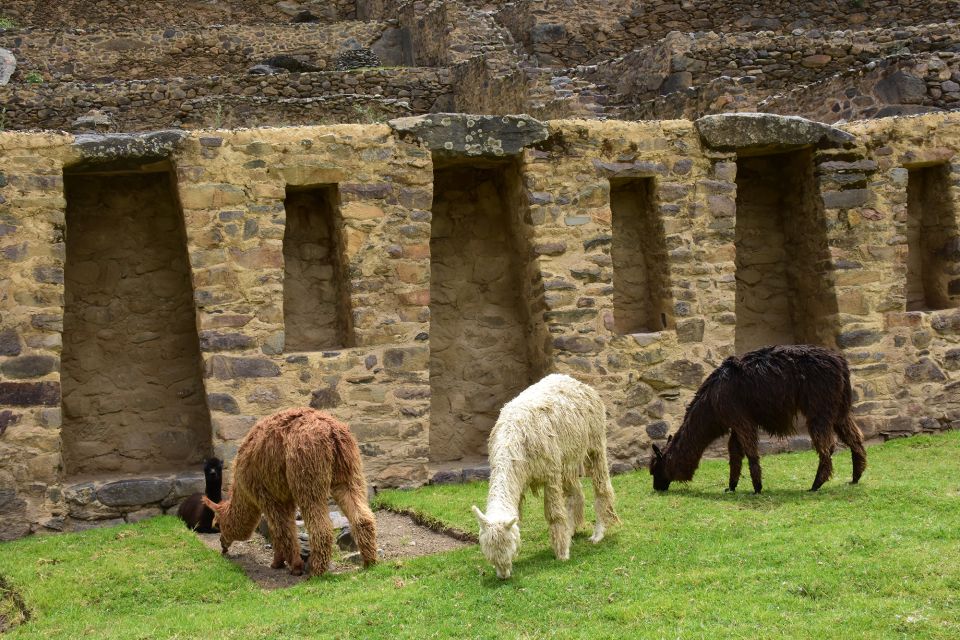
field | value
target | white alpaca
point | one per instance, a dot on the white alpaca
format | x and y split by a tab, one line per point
541	440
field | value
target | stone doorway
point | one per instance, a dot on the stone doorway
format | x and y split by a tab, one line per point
133	395
479	356
785	292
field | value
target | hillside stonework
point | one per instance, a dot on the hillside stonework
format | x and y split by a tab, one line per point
432	344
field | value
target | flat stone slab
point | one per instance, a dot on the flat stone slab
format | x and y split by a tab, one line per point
758	133
137	491
125	149
474	136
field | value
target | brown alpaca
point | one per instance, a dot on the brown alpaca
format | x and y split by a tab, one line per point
765	389
298	457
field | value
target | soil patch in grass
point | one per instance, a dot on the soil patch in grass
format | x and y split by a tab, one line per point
12	609
398	536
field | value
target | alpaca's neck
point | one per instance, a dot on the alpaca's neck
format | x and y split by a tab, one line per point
241	516
214	488
508	479
683	455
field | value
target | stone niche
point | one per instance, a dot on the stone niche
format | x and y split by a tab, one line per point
133	395
784	291
316	300
933	242
641	278
479	355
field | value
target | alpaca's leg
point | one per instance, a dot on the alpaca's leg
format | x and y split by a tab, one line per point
850	434
352	499
822	438
312	491
749	439
573	493
283	532
604	512
736	461
556	513
316	515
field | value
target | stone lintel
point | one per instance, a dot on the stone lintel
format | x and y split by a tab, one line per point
125	151
764	133
457	135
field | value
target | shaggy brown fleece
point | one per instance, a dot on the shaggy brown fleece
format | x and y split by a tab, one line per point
765	389
298	457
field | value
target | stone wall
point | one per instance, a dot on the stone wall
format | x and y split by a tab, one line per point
82	14
567	32
141	104
766	63
97	55
847	252
899	85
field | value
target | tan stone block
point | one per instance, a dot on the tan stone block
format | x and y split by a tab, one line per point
258	258
413	273
268	190
849	277
305	175
415	298
853	302
361	211
416	251
353	241
210	195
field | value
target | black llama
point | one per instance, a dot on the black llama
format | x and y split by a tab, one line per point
192	511
765	389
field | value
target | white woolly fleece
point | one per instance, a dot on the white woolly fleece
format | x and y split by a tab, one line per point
542	439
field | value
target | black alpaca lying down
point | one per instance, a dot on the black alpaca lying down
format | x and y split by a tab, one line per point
765	389
192	511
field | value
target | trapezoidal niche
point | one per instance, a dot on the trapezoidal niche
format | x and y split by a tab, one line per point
133	395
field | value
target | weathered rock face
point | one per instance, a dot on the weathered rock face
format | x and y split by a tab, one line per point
514	260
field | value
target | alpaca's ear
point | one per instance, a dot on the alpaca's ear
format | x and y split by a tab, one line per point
482	518
512	522
669	438
210	503
657	452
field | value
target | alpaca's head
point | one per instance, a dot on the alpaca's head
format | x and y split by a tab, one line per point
227	537
499	541
213	469
658	469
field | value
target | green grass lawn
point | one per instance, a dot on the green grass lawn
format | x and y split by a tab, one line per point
879	560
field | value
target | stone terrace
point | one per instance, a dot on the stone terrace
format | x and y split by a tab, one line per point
144	69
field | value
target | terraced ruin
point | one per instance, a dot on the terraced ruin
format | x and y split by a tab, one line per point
232	64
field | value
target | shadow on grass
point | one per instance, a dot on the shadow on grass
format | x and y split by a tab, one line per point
582	551
770	498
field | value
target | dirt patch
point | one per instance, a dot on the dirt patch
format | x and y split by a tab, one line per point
398	536
13	611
